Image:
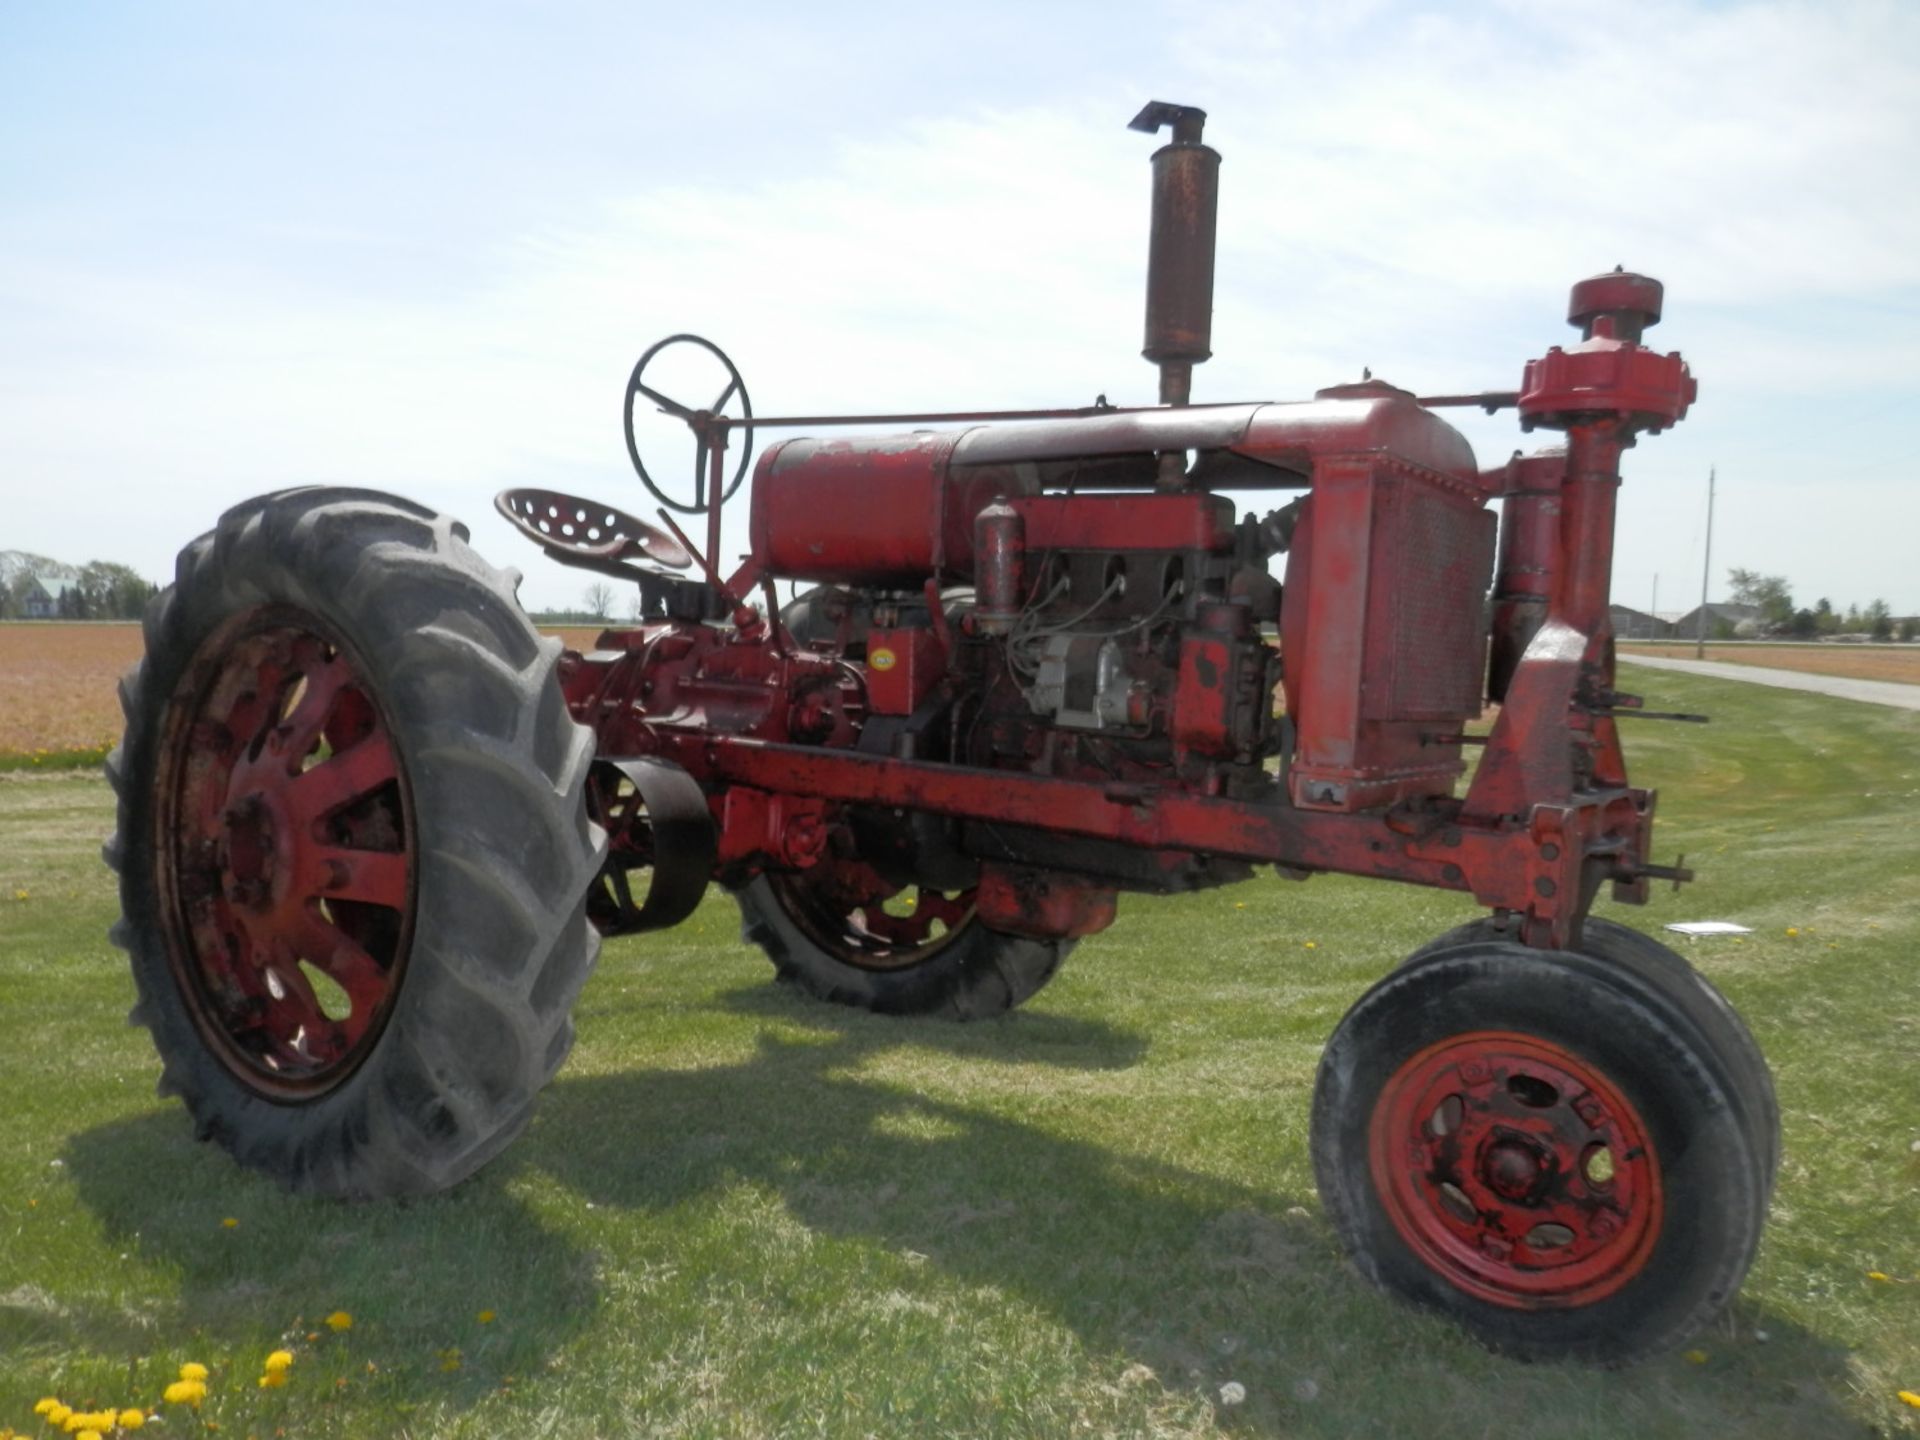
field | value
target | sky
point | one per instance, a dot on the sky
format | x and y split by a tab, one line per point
419	247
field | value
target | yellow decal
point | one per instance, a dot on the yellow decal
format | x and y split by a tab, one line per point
881	659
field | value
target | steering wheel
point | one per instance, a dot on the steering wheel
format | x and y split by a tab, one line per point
700	421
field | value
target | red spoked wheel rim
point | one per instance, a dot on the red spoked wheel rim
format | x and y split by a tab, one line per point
1517	1170
856	915
287	853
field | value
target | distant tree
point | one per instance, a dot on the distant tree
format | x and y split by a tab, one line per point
1824	617
598	599
114	592
1804	625
1770	593
1879	620
1910	628
1852	624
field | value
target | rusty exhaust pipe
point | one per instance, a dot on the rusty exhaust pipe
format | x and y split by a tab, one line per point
1186	197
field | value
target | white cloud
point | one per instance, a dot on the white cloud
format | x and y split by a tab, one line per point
1410	192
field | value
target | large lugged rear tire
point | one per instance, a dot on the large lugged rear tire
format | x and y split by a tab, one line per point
967	972
353	845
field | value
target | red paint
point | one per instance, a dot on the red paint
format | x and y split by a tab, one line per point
1127	521
288	847
1517	1170
1032	902
902	666
1381	626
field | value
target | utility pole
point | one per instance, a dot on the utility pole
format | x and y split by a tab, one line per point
1653	607
1706	570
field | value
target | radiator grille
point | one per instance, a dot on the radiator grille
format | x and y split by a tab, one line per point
1431	566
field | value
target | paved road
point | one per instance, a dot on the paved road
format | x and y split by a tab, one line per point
1874	692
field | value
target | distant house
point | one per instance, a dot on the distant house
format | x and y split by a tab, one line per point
1723	618
1632	624
41	598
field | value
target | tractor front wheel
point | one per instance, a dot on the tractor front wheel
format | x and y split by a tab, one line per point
844	934
353	846
1543	1146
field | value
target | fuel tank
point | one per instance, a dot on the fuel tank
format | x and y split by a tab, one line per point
882	510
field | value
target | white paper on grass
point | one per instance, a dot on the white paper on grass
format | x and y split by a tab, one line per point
1709	927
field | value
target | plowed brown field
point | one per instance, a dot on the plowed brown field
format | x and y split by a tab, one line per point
58	682
1855	662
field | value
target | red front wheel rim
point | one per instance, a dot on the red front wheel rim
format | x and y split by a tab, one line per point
1517	1170
286	853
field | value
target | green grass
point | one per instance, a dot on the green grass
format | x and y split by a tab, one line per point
739	1213
64	757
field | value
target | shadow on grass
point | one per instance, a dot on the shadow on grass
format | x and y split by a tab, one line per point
414	1275
1200	1278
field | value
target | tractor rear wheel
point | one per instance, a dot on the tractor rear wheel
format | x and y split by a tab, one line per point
353	846
1541	1146
843	934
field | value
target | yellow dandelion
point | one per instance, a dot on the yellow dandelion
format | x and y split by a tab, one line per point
450	1359
88	1435
185	1392
485	1317
193	1370
1792	931
1696	1357
273	1379
278	1360
339	1320
45	1405
57	1413
230	1223
1881	1276
1239	904
1313	945
1908	1397
132	1419
19	894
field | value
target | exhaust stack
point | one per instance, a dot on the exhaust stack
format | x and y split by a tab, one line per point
1186	194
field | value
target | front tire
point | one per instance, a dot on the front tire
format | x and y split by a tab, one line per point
353	845
1539	1145
868	948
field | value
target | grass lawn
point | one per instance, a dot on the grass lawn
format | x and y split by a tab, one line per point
741	1213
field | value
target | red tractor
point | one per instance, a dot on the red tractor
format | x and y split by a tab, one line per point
372	827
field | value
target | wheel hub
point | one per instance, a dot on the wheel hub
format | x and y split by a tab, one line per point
1516	1169
248	851
286	853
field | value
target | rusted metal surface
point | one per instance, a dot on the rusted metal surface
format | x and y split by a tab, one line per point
1108	679
1518	1170
288	853
1180	248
